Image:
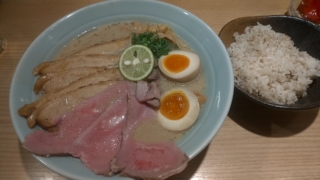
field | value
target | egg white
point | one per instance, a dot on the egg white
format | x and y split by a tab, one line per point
186	121
190	73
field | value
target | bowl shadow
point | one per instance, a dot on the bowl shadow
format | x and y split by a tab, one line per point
268	121
192	167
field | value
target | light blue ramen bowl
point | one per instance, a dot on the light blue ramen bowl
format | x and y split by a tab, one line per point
214	58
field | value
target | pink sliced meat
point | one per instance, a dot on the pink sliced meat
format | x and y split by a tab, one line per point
137	113
100	142
142	91
77	129
99	132
148	93
146	161
152	161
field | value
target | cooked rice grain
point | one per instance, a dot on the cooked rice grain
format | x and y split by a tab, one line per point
267	65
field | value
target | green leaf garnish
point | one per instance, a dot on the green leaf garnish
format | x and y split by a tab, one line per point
158	46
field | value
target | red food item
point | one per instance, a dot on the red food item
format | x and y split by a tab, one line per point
310	9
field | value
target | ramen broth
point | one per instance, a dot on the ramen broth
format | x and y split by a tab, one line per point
149	131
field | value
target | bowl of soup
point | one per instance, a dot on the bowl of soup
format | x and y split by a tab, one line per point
75	59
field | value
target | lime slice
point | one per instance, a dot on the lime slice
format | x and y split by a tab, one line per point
136	62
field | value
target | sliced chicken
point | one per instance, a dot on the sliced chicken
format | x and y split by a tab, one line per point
57	84
103	76
53	81
138	27
46	115
114	47
41	80
76	61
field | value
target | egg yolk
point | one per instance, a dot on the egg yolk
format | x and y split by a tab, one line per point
176	63
175	105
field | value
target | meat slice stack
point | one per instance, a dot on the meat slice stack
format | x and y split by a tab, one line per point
146	161
72	77
99	132
92	131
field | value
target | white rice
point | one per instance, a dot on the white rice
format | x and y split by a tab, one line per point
267	65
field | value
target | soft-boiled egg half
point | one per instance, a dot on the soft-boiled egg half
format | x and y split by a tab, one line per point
179	109
180	66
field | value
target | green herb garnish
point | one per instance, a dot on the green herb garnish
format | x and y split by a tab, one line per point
158	46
